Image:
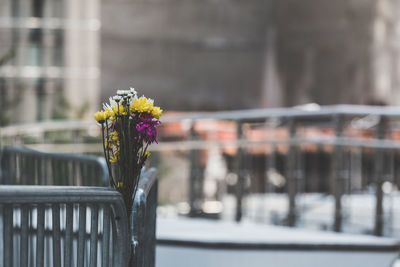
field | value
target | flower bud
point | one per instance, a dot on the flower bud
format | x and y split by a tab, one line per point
100	116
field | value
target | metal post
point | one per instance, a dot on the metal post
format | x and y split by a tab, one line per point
336	173
270	161
196	178
290	174
379	220
239	172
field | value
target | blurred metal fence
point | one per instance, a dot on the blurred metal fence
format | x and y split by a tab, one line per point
24	166
341	133
333	151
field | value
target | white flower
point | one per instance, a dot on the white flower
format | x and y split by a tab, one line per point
120	92
112	103
150	100
133	91
107	106
117	98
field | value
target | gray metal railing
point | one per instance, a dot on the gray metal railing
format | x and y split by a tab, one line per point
143	220
49	226
24	166
77	226
340	131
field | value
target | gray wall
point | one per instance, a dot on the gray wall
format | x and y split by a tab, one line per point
188	54
324	50
232	54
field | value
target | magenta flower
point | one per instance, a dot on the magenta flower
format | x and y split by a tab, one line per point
146	127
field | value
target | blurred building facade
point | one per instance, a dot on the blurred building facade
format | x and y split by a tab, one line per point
190	55
229	54
51	59
335	52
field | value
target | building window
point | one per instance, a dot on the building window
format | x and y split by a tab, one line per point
35	48
15	8
57	8
58	48
37	8
41	99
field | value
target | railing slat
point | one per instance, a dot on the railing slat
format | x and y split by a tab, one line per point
291	176
239	172
93	235
106	236
8	235
56	235
68	235
81	234
24	236
40	236
337	175
379	179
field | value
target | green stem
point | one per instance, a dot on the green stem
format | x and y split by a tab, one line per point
105	155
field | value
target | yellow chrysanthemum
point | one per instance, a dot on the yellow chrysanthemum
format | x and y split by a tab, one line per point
100	116
119	110
108	112
115	156
107	144
156	112
147	154
114	136
141	104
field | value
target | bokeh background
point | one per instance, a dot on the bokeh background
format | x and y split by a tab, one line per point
61	59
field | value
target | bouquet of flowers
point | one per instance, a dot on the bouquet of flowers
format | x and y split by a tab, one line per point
129	125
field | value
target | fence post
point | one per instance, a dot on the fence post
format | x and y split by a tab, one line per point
196	177
379	219
239	172
291	176
336	172
270	158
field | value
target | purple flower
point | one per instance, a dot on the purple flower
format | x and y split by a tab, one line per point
146	127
